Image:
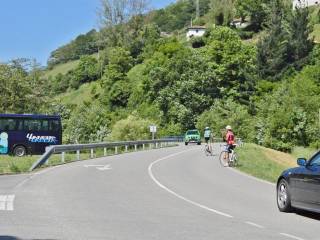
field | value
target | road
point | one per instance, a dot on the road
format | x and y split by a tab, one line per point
173	193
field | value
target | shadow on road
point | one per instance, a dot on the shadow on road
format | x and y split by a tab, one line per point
9	238
312	215
16	238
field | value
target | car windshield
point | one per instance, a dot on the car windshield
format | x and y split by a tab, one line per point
193	132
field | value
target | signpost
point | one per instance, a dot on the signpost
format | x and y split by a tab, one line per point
153	130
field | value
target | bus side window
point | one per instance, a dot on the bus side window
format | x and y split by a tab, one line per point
27	125
19	124
8	124
54	126
44	125
32	125
2	124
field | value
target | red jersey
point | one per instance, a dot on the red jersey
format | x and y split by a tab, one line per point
230	138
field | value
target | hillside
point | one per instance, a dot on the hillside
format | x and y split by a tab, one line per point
87	92
262	79
62	68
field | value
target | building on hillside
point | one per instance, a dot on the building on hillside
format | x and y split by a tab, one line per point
306	2
165	34
195	31
238	23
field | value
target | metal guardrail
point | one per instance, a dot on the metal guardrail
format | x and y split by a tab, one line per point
78	147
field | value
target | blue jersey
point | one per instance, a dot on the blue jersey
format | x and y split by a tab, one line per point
207	133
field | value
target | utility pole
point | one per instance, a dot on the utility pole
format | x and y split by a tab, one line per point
197	9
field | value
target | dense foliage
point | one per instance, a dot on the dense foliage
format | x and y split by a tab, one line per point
269	91
82	45
22	89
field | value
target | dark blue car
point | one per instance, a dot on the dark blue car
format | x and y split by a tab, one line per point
300	187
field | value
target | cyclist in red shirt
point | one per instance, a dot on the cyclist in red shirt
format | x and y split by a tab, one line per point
230	139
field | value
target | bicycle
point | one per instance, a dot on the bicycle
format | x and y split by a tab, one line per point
232	161
208	149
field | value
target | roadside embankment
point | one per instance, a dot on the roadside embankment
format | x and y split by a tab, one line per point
267	164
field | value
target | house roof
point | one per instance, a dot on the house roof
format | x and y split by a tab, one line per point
197	27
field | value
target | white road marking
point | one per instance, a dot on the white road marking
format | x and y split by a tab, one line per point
291	236
254	224
6	202
3	200
104	168
10	200
176	194
87	166
100	167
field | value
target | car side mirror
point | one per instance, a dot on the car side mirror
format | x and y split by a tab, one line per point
302	162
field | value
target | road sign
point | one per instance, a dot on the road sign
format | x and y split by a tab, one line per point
153	129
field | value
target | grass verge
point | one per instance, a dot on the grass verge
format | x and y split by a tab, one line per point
268	164
254	161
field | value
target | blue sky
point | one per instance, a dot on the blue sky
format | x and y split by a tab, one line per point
34	28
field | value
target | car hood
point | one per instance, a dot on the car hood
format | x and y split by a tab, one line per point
289	171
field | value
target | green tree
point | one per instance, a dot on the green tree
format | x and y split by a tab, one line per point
300	42
88	123
131	128
84	44
222	11
272	56
115	81
232	61
257	10
22	88
227	112
86	71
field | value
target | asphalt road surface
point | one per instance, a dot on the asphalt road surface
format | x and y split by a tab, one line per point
173	193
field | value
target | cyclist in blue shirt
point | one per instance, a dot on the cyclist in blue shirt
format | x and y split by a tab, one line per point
207	134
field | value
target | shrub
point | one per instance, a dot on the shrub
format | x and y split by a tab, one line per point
131	128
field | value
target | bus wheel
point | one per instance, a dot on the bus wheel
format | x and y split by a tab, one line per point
20	151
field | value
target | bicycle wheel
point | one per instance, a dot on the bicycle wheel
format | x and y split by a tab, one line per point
206	150
211	150
235	159
224	161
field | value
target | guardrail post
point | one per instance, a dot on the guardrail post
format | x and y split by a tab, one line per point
78	155
104	151
126	148
135	147
62	157
115	150
91	153
156	145
143	146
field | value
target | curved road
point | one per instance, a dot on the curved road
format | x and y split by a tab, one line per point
173	193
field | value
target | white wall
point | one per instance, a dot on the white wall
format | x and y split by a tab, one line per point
195	33
308	2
